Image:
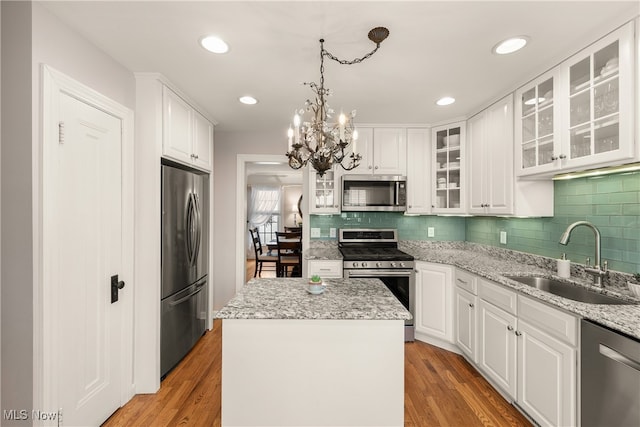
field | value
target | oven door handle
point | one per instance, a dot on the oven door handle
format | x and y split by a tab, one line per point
373	274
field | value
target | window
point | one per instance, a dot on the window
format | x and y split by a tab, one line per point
267	231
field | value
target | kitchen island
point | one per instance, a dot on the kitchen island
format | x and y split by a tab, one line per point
290	358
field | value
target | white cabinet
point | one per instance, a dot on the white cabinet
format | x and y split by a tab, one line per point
448	165
490	153
325	268
582	113
528	349
537	127
325	191
497	349
418	171
383	151
466	322
547	356
187	135
434	302
466	309
493	186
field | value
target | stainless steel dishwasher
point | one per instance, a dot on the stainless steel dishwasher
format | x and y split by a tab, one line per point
610	378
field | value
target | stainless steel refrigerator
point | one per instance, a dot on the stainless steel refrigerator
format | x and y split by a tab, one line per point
184	262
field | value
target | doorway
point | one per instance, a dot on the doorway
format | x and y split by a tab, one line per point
270	170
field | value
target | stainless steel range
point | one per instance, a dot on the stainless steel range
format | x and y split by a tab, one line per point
374	253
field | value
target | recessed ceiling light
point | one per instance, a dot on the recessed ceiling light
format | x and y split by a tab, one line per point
510	45
249	100
214	44
446	100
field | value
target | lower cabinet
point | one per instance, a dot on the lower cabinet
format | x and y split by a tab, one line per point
497	352
466	314
325	268
529	351
434	302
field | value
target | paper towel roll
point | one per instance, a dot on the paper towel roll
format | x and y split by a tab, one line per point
564	268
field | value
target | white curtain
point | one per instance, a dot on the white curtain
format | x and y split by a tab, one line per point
263	202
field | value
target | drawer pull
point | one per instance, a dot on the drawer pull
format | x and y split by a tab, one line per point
462	281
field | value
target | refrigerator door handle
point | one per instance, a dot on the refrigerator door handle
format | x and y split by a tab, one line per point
185	298
198	223
189	231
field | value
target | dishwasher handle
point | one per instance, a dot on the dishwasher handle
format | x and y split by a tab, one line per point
619	357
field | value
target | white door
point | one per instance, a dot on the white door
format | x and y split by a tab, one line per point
88	217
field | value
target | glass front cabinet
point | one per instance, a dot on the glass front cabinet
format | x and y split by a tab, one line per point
581	113
448	169
324	191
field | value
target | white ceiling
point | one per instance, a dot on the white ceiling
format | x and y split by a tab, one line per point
434	49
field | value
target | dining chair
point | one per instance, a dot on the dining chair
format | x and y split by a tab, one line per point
261	258
289	254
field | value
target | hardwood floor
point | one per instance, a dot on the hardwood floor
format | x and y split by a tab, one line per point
441	389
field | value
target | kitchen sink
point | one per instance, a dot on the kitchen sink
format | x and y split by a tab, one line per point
567	290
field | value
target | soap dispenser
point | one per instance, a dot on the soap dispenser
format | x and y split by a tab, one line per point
564	267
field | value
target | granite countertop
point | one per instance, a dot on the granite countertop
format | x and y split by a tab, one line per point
287	298
495	264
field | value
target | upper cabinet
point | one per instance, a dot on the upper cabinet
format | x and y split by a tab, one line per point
325	191
448	162
418	171
187	135
580	115
383	151
490	166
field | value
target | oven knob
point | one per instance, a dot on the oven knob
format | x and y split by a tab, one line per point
402	265
393	264
364	265
355	264
378	264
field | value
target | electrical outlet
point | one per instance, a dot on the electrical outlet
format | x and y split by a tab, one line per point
431	232
315	232
503	237
332	232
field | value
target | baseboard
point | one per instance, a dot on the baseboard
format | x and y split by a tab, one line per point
446	345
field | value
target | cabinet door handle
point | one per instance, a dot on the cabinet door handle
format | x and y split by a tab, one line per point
509	328
518	333
376	167
554	157
369	166
471	305
562	156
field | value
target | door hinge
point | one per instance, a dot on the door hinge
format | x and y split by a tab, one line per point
60	132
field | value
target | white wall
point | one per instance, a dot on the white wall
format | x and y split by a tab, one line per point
36	37
226	150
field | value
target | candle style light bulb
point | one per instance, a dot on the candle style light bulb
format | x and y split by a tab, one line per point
290	136
342	119
354	137
296	124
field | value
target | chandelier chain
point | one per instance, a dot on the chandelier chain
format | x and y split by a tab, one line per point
354	61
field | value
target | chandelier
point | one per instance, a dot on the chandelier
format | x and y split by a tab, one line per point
313	139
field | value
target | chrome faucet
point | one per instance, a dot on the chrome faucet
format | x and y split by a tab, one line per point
598	271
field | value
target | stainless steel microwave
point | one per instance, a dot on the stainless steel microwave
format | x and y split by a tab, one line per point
374	193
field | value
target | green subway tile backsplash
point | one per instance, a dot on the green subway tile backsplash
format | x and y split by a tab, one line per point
409	227
611	202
